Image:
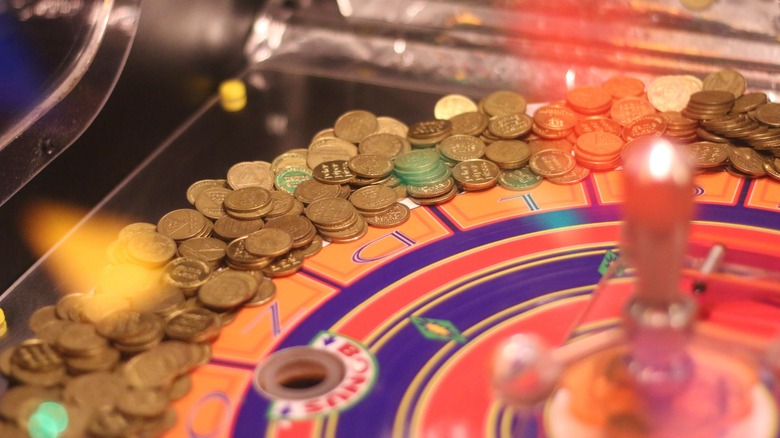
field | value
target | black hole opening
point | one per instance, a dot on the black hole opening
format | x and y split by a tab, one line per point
302	375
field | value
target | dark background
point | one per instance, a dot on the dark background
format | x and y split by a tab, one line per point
182	50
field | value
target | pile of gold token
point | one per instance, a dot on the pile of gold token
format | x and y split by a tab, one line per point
113	359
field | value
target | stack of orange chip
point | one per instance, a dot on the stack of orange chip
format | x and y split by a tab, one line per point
598	150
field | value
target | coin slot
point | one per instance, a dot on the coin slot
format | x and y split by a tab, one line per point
302	375
298	373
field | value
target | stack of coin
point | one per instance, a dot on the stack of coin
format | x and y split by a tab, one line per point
337	220
679	129
333	216
420	167
598	150
131	331
183	224
554	122
248	203
589	100
708	104
475	175
508	154
432	194
373	200
429	133
237	257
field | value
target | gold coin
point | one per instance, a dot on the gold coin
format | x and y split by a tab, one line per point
186	273
248	199
207	249
672	92
190	325
521	179
705	154
41	317
80	340
266	291
283	266
180	387
283	203
137	227
356	125
105	360
471	123
329	212
370	165
436	200
395	216
333	172
429	132
309	250
509	126
300	228
503	102
312	190
550	163
748	161
475	175
199	186
433	190
143	403
227	291
270	242
373	199
452	105
95	390
182	224
462	148
726	80
239	257
291	159
210	202
386	144
248	174
389	125
508	154
150	249
579	173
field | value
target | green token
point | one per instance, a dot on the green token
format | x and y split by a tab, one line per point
290	177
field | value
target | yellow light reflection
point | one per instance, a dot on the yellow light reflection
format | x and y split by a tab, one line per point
78	259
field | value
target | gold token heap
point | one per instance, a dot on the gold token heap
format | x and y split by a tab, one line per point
119	355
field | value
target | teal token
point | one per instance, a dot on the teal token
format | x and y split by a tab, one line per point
48	421
519	179
290	177
417	160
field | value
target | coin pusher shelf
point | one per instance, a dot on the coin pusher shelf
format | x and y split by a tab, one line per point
310	61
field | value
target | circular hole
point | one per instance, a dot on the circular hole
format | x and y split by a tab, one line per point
298	373
302	375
